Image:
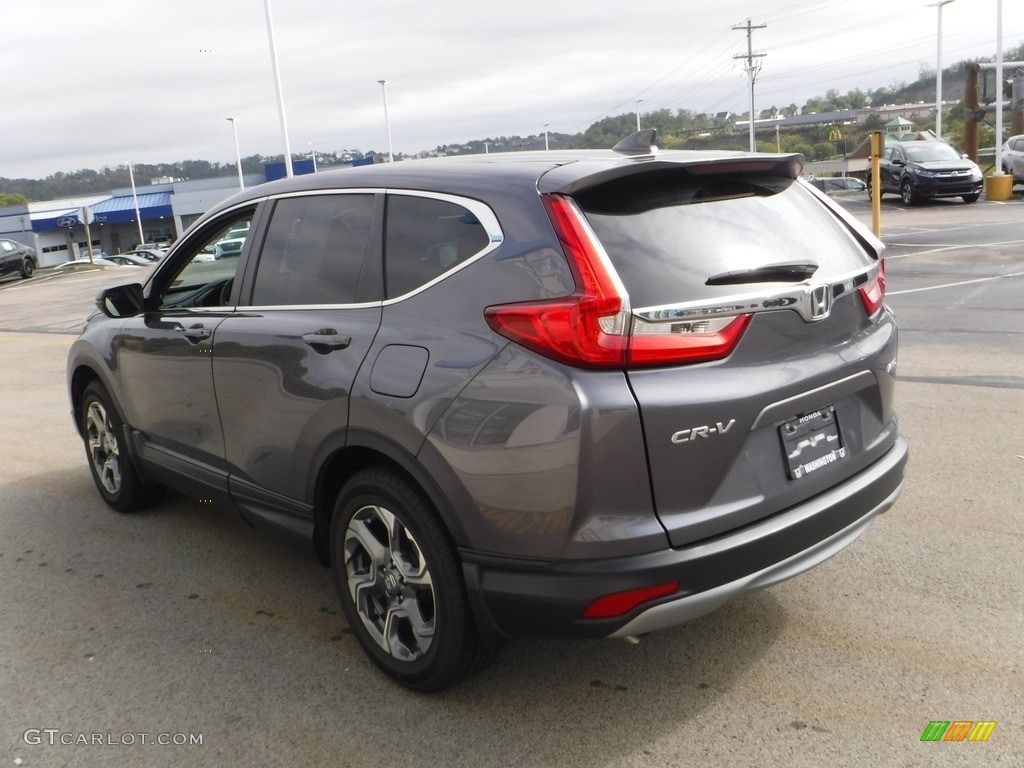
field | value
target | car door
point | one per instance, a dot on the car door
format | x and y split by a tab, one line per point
9	263
892	169
1016	157
164	364
285	360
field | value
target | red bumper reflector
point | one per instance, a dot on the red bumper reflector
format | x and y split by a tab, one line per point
621	603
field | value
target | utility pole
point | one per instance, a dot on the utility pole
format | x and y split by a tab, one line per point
752	69
938	71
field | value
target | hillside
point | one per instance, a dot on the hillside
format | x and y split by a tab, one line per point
679	129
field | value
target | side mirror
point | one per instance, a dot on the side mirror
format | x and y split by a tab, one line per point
121	300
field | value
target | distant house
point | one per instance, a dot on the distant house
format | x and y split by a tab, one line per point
897	127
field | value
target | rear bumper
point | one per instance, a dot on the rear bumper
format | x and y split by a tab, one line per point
517	598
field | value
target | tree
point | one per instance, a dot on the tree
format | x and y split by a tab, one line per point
857	98
835	101
12	198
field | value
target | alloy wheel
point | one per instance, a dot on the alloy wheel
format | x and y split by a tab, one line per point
390	583
907	193
101	443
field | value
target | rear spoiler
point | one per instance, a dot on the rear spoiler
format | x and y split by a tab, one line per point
572	178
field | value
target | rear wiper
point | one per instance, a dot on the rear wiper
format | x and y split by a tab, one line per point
769	273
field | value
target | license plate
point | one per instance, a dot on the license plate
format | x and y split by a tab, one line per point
812	442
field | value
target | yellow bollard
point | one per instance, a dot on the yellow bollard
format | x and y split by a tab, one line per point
877	147
999	187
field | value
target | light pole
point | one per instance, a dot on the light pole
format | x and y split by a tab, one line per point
998	171
312	154
546	136
135	199
938	72
280	94
387	120
238	154
638	113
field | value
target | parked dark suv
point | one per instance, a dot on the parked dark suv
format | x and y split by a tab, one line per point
919	170
584	394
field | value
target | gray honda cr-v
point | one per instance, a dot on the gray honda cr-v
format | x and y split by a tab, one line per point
584	394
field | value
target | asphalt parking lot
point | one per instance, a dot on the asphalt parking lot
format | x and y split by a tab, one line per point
180	623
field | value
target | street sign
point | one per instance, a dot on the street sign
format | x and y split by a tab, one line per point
85	215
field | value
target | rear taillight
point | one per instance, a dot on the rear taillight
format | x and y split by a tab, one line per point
872	294
592	328
689	342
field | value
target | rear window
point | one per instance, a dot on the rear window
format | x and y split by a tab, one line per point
667	235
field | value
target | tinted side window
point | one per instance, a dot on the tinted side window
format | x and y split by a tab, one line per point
315	250
204	274
425	237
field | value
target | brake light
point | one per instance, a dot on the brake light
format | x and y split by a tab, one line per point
621	603
592	328
872	294
584	328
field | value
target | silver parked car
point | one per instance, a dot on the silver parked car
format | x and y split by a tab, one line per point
1013	158
579	394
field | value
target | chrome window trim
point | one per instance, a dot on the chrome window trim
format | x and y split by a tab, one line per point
797	298
483	214
481	210
330	191
243	309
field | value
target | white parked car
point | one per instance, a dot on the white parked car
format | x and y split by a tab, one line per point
1013	158
130	260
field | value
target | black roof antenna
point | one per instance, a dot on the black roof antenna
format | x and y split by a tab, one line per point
639	143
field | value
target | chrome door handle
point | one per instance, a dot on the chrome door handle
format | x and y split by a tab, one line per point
197	333
326	340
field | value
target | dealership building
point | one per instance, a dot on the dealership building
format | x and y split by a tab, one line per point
166	208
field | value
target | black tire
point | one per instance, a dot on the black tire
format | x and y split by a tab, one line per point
907	193
973	198
400	583
110	462
28	267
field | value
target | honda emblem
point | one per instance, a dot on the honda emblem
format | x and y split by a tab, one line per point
820	298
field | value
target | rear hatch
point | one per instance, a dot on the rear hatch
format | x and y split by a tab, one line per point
759	352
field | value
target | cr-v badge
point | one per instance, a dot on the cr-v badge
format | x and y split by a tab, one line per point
689	435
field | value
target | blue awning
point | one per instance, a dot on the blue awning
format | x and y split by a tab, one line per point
115	210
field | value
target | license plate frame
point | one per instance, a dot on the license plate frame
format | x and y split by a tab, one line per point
811	442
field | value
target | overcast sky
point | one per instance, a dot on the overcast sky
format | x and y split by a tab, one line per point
89	83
